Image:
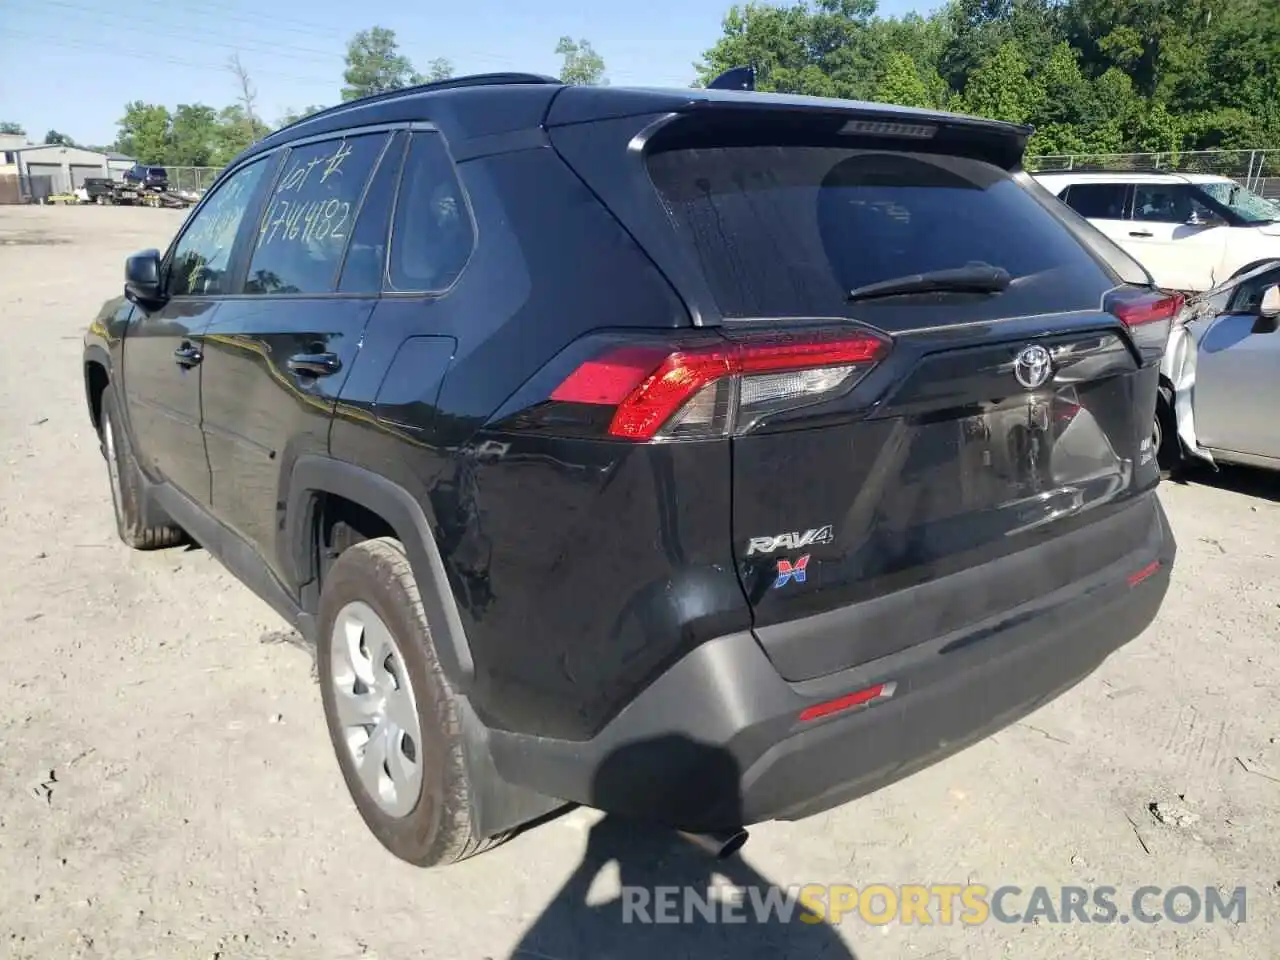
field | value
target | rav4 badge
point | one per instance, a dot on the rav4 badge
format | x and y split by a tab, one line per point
790	541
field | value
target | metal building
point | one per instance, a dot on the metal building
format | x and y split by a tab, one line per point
67	167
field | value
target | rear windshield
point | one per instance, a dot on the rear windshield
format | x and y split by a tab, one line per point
156	171
789	231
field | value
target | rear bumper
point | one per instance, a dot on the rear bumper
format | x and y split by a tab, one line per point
716	742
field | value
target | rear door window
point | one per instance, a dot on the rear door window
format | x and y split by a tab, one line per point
310	214
366	262
1097	201
789	231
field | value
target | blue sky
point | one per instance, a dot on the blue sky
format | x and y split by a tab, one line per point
71	65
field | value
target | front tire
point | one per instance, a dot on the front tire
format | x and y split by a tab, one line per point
392	717
125	477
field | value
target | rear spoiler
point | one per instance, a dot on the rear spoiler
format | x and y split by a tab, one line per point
731	111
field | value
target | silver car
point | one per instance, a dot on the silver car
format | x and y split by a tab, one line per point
1220	379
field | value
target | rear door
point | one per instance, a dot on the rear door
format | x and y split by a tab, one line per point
277	353
1104	205
997	420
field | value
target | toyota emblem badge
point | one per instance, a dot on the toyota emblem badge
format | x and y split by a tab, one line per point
1032	366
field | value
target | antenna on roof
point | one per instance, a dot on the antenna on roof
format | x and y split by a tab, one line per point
739	78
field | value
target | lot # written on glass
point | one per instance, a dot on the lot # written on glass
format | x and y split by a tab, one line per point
310	215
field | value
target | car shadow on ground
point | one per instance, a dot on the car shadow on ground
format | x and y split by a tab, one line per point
662	876
1250	481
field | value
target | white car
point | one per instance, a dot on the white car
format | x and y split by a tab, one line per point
1191	231
1220	377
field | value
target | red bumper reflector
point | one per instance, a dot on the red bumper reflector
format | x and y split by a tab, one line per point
1148	570
881	691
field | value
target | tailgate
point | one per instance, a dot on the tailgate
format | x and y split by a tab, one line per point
994	421
958	495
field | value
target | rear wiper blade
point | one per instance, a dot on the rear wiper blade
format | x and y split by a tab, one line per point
975	278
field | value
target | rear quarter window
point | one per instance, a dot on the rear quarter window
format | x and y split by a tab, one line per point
432	234
788	231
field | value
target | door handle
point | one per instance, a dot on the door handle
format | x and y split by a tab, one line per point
1140	233
188	355
315	364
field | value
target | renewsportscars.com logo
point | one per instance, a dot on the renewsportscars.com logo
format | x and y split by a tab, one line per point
946	903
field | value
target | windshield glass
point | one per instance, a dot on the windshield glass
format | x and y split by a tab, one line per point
1247	204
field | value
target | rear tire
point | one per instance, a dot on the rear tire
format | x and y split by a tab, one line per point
125	477
371	588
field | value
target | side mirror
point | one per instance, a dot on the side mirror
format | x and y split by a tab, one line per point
142	278
1270	305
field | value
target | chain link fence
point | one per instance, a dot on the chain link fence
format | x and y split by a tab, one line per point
1258	170
194	179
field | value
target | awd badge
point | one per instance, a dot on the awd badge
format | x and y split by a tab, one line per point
789	571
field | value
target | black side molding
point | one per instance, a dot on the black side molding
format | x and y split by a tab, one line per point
232	550
314	474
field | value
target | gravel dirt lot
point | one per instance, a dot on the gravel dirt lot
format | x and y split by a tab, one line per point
167	788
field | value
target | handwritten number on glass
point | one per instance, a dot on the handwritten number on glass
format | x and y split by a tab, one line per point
293	221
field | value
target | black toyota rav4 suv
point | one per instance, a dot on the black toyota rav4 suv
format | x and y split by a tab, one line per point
703	456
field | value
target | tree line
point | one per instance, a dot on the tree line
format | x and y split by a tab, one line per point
196	135
1092	76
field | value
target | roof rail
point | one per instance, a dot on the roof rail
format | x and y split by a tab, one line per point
1102	168
453	83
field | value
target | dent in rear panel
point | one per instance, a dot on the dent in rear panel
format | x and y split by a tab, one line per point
602	563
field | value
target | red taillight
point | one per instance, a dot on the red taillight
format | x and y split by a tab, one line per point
881	691
1148	308
711	389
608	379
653	402
1149	315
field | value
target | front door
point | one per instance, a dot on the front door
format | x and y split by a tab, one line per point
164	348
1176	237
1237	389
277	354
